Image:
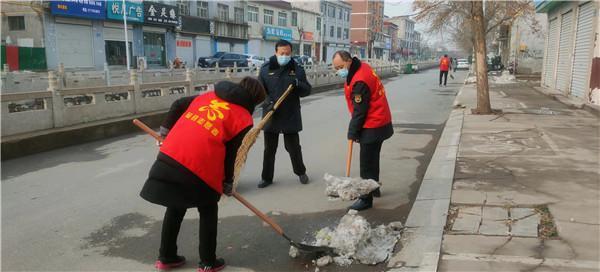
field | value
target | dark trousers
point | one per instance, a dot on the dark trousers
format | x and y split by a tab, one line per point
207	231
369	162
445	75
292	145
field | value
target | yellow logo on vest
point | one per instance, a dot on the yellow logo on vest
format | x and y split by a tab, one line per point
214	109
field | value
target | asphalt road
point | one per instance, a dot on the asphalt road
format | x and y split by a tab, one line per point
78	208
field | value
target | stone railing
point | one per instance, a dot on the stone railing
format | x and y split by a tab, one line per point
144	93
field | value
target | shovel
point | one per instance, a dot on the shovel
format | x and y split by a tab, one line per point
261	215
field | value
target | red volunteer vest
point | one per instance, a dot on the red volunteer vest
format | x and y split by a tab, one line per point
444	64
197	141
379	110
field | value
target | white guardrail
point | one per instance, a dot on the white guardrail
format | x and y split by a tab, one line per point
67	102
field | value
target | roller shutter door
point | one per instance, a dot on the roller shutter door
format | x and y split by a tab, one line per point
564	52
74	45
583	47
550	65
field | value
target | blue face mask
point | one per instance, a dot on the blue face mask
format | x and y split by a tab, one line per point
342	72
283	60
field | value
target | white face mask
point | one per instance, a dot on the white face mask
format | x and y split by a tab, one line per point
283	60
343	73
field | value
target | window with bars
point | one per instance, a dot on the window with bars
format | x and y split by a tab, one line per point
340	14
223	12
339	32
268	18
253	14
238	15
331	12
319	23
282	19
346	33
331	30
183	7
16	23
203	9
294	19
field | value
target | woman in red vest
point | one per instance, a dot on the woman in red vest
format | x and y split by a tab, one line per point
195	164
445	66
371	122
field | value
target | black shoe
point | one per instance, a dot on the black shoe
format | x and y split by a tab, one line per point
263	183
218	265
303	179
362	204
377	193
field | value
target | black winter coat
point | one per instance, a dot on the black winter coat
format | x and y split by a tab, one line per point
276	79
171	184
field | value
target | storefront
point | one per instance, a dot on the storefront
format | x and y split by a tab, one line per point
193	40
266	47
114	34
158	40
73	39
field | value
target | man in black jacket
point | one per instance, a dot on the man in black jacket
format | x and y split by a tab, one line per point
276	75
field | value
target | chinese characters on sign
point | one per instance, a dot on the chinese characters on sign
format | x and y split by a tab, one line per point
277	33
134	10
90	9
160	14
182	43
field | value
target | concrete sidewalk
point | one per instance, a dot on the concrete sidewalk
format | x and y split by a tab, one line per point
526	187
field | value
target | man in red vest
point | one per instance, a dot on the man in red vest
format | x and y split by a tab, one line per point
444	68
195	164
371	122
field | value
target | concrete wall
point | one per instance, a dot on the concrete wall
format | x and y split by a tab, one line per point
34	29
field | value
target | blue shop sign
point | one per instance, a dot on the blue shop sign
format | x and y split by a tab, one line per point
91	9
277	33
134	10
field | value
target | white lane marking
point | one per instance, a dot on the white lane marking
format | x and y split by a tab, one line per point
522	260
523	105
503	94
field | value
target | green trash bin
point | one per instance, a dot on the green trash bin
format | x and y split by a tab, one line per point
408	69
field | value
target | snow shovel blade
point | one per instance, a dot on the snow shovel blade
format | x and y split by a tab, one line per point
308	248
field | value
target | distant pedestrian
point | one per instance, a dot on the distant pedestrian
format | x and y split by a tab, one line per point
371	122
195	164
276	75
444	67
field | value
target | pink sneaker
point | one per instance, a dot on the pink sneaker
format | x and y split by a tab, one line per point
177	262
217	266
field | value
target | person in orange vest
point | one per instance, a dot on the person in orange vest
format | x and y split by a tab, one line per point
445	66
195	164
371	122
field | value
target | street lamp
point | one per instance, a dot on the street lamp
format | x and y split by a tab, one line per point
126	35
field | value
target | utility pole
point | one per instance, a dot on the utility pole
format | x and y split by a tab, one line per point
126	35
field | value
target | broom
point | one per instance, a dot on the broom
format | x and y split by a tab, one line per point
251	136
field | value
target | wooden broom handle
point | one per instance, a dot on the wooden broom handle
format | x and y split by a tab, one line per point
262	216
349	158
147	129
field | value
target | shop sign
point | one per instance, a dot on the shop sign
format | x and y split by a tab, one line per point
184	43
89	9
277	33
308	36
157	13
134	10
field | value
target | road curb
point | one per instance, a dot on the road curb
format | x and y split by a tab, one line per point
422	238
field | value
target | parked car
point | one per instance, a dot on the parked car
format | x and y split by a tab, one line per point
224	59
303	59
462	64
254	60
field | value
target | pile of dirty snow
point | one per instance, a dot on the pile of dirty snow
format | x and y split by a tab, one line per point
353	240
505	78
347	188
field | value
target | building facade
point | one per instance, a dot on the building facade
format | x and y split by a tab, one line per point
391	30
571	57
304	25
408	44
368	39
22	36
336	16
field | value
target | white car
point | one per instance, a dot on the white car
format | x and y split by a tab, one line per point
462	64
254	60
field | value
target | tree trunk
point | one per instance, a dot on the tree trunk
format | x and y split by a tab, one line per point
483	96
